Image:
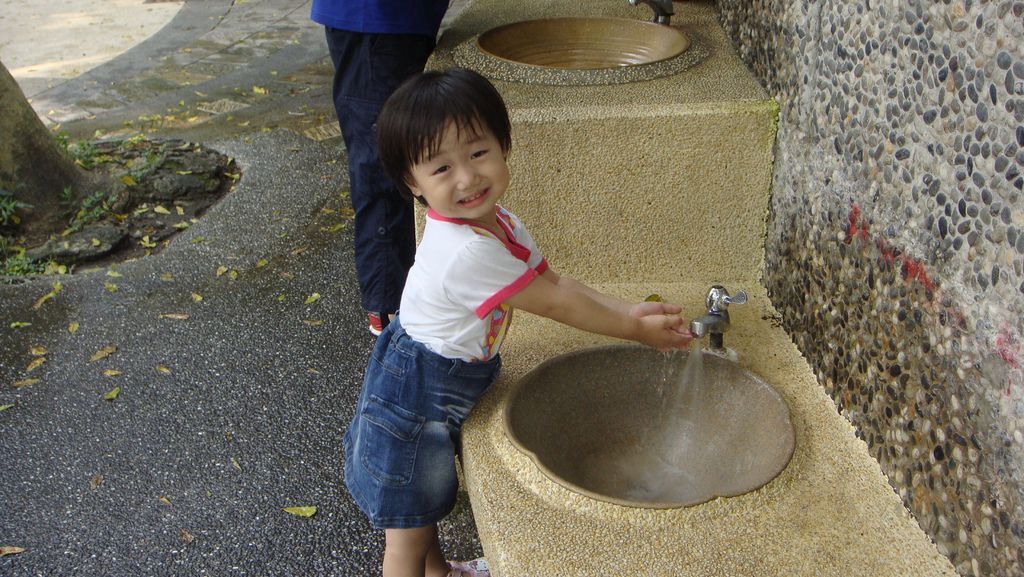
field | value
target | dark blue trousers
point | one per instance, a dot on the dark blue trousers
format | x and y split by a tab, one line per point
367	69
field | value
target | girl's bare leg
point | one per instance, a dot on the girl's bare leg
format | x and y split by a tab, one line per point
413	553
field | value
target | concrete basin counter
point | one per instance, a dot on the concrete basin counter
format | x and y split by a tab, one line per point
830	512
639	163
662	186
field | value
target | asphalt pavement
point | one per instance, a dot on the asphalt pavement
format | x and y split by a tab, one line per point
236	352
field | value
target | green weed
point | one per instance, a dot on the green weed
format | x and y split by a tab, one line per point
14	263
93	208
9	207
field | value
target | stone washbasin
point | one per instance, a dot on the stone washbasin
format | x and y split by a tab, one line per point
583	43
580	51
632	426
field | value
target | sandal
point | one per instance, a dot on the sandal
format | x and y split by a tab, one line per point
474	568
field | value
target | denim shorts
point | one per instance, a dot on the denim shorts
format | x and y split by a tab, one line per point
401	446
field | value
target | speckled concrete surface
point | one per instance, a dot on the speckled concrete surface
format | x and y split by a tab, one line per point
830	512
677	169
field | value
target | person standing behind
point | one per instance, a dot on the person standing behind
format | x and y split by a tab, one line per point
375	45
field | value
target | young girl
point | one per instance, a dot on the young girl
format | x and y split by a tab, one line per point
444	138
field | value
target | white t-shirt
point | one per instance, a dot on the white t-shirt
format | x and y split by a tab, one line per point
453	300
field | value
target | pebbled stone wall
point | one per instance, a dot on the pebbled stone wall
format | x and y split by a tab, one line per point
895	248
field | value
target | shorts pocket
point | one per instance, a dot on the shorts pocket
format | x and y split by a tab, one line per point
393	360
390	438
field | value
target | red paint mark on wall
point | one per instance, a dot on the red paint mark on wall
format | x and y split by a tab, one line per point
911	270
855	228
914	270
889	256
1008	347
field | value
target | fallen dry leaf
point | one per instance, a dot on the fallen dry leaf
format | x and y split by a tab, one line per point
35	364
95	482
112	394
308	511
312	298
162	369
24	383
186	536
197	297
47	296
37	351
112	373
165	500
73	327
175	316
9	550
103	353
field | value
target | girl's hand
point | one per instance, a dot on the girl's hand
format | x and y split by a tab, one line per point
654	308
664	331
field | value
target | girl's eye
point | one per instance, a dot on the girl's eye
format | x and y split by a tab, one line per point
442	169
479	153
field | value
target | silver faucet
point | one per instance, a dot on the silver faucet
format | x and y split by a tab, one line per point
662	9
716	321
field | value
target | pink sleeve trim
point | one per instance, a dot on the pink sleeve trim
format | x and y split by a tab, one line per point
542	267
504	294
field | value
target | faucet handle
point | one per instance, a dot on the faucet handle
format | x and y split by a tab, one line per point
739	298
719	299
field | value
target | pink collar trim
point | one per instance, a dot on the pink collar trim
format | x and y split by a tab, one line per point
504	221
502	216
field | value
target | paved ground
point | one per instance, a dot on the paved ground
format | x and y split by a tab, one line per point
45	44
230	407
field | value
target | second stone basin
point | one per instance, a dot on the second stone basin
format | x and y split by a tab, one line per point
632	426
583	43
580	51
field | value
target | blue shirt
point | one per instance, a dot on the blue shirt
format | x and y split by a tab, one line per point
381	16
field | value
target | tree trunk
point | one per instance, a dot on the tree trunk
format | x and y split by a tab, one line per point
32	164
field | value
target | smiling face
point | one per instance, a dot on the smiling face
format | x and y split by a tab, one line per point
465	177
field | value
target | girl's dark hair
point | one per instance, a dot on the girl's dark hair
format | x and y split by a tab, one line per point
412	123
